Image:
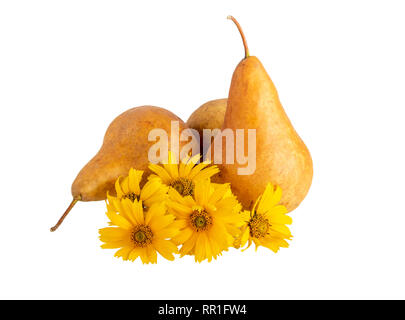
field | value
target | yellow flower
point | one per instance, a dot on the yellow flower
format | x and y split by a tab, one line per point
265	225
129	188
182	177
140	234
209	220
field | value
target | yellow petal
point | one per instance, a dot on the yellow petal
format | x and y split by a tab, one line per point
109	202
124	185
119	208
282	229
137	211
134	179
113	234
277	217
201	192
180	210
188	246
134	254
219	192
217	234
182	165
269	199
156	199
119	220
193	160
273	245
189	201
175	196
126	210
118	189
276	196
245	215
278	209
157	223
115	244
151	252
245	236
183	235
196	169
153	187
161	172
171	166
206	173
208	251
199	250
165	248
123	252
167	233
215	249
158	209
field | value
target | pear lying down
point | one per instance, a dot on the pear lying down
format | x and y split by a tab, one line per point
125	146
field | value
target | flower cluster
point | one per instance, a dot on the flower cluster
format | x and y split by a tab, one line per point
180	211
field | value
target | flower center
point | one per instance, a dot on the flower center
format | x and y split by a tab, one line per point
200	220
142	236
259	226
183	186
132	196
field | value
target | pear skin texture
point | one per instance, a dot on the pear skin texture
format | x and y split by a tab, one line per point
125	146
210	115
281	156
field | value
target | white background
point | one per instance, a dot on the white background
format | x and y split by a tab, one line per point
67	68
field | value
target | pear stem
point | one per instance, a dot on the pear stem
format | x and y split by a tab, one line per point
241	34
71	205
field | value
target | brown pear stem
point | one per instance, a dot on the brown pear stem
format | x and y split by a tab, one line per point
241	34
71	205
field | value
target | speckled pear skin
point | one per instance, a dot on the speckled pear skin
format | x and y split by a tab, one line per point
210	115
282	157
125	146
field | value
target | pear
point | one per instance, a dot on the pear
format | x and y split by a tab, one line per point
210	115
125	146
281	156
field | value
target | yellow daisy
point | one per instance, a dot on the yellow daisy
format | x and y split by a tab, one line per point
265	225
140	234
182	177
129	188
209	220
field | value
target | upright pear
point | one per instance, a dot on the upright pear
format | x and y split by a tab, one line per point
125	146
281	156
